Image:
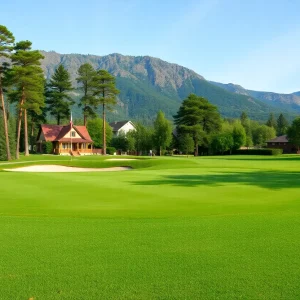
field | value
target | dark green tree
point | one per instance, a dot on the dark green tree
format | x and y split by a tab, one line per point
105	91
58	96
244	118
28	80
88	102
143	137
6	46
222	142
282	125
272	121
293	133
162	136
197	117
185	143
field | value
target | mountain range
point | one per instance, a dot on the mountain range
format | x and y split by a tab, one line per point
150	84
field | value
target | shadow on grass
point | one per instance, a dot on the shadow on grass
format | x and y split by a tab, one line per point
264	179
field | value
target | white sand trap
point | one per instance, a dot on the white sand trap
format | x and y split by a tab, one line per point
54	168
111	159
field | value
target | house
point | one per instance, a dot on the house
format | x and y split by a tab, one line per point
66	140
122	126
282	142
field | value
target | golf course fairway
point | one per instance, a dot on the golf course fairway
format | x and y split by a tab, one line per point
167	228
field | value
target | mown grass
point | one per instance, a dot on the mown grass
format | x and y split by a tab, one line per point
171	228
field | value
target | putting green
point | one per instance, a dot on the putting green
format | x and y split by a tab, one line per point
171	228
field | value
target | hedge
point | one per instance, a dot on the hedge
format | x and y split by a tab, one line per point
258	152
111	150
48	148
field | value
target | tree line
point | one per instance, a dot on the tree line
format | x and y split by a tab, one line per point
22	83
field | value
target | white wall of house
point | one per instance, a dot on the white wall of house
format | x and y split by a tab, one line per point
126	128
68	135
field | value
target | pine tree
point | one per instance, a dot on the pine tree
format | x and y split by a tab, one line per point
162	132
272	121
197	117
6	46
89	103
28	79
282	125
105	91
57	95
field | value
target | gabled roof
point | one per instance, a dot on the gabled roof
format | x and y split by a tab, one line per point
118	125
279	139
54	133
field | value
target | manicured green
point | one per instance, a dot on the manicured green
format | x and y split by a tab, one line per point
172	228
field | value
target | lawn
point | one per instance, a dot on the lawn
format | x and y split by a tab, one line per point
171	228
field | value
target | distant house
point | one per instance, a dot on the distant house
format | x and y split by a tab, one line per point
282	142
124	126
66	140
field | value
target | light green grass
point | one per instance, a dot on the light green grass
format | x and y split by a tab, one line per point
171	228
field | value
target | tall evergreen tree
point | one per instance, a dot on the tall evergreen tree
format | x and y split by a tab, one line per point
197	117
28	79
105	90
6	46
244	118
162	132
88	102
272	121
58	98
282	125
293	133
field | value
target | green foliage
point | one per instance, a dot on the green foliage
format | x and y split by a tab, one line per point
197	117
238	135
88	101
293	133
58	94
143	137
162	135
222	142
105	91
28	81
258	152
262	133
95	129
282	125
120	142
185	143
48	148
111	150
272	121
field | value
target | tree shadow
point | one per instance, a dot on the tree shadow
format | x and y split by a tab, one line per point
274	180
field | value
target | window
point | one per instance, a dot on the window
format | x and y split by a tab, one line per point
73	134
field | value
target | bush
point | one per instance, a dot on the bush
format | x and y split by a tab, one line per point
111	150
48	148
258	152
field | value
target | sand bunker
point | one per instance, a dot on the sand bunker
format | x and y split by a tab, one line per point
54	168
111	159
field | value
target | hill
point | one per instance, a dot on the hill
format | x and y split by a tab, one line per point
289	102
150	84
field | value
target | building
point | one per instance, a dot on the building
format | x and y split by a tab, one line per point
282	142
66	140
122	126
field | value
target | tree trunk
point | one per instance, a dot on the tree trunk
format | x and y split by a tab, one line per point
26	133
196	148
19	131
8	156
84	116
104	131
32	136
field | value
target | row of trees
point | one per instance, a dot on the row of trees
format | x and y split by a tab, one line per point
22	81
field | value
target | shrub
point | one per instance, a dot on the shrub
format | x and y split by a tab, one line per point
111	150
258	152
48	148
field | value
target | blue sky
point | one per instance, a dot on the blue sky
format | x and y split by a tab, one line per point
253	43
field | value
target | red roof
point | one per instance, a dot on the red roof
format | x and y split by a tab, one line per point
54	133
